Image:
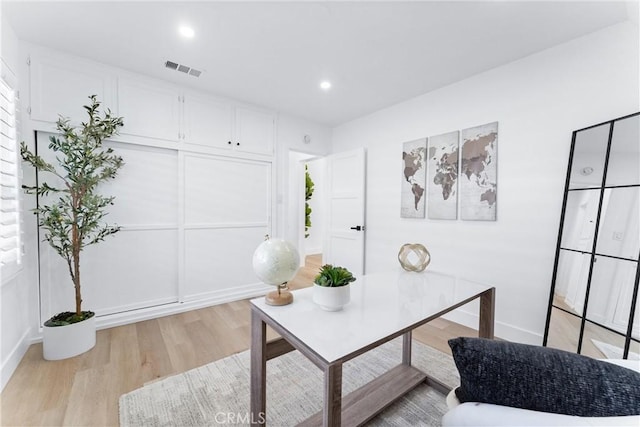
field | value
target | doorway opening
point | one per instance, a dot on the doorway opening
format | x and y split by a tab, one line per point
306	230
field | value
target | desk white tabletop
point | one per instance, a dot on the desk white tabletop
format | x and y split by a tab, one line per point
381	305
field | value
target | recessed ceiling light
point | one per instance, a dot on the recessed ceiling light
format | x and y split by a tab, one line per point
186	32
325	85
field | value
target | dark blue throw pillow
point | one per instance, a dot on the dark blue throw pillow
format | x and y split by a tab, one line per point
543	379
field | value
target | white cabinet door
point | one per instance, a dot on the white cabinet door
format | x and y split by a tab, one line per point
62	87
207	122
254	131
149	109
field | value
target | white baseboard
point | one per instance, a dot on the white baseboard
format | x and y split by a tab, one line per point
502	330
15	356
313	250
192	302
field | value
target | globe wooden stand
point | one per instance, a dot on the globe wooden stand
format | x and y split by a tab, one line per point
280	297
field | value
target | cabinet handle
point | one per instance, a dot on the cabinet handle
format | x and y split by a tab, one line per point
229	142
237	143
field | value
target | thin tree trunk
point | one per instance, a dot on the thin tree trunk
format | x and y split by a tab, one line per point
75	243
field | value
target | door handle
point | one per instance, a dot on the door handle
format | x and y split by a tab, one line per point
357	228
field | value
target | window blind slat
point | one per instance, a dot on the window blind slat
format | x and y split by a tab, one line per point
8	205
10	232
9	256
8	193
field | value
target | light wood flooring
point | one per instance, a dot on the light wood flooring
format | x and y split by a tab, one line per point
84	390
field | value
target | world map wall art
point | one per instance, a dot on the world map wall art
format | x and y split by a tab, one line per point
453	163
413	179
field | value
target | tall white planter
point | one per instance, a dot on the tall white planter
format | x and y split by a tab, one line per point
331	298
62	342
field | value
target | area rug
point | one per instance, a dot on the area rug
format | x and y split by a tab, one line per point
218	393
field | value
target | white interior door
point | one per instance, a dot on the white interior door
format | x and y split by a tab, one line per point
345	232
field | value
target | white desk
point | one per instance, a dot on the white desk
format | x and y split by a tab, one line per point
382	307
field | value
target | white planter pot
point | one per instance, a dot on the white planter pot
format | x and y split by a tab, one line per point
62	342
331	299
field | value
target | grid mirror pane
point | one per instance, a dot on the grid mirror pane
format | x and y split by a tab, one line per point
589	157
624	157
619	229
580	218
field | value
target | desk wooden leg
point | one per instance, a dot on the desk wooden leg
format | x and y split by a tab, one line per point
258	402
332	414
487	313
406	349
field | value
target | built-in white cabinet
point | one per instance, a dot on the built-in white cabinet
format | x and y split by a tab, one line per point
150	109
154	112
254	130
194	198
207	122
203	122
62	85
216	124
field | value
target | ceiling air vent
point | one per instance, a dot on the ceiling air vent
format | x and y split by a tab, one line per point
182	68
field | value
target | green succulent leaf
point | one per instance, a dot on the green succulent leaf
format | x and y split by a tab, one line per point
331	276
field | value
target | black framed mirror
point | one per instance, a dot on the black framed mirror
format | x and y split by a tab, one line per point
593	303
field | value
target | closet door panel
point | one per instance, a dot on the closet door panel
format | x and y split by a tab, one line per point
146	187
135	269
218	261
226	191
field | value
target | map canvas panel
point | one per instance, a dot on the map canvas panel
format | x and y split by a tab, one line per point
478	173
412	192
442	186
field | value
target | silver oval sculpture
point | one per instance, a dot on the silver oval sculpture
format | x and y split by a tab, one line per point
414	257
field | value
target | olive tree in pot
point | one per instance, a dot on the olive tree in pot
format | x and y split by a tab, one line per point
331	289
73	219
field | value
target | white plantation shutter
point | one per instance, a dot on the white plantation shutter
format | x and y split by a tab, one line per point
10	222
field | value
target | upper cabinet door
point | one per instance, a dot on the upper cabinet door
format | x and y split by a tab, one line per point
60	86
207	121
255	131
149	109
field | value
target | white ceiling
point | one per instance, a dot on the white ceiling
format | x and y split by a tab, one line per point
272	54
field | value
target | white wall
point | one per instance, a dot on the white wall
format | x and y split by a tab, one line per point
538	101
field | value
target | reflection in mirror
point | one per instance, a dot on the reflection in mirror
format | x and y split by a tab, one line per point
588	157
612	284
580	218
564	331
571	281
624	158
619	231
634	350
601	343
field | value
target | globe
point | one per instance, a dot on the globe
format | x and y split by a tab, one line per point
275	261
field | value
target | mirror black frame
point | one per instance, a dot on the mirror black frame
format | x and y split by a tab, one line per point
628	338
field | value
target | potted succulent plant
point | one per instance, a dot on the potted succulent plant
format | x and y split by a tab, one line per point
73	219
331	287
